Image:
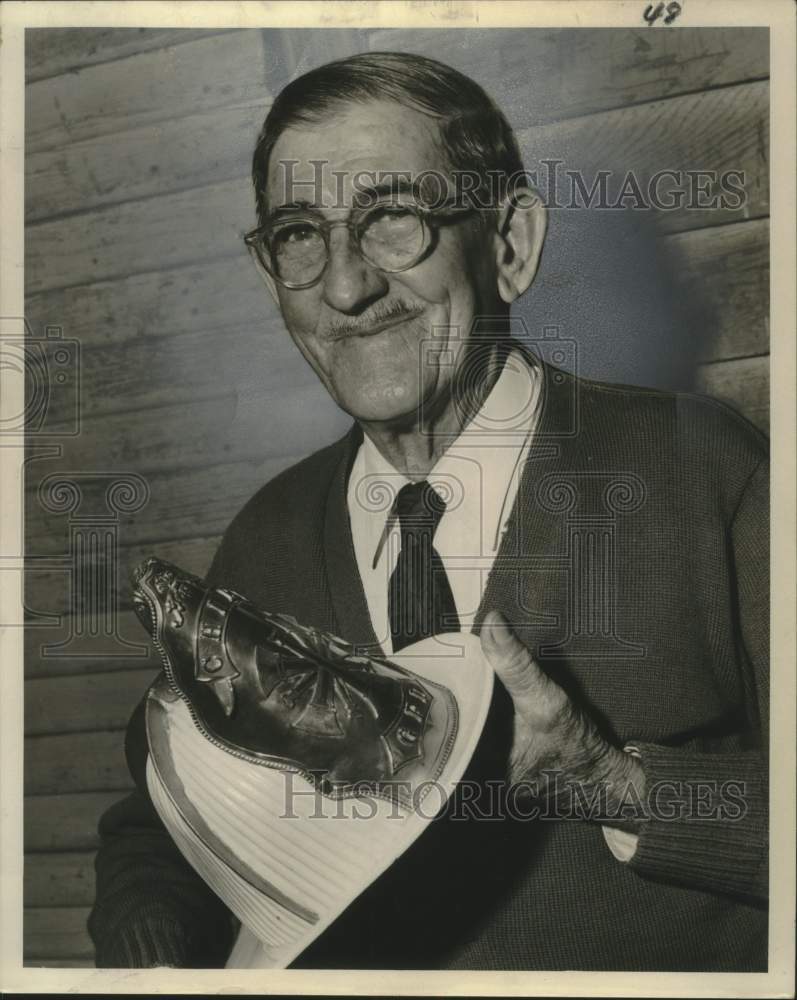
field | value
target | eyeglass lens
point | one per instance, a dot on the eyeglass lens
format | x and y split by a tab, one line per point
390	237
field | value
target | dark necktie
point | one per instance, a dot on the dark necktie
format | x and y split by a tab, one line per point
420	601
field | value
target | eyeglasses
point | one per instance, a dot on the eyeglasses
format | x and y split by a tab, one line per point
392	237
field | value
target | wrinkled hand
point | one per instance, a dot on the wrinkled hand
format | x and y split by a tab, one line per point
551	733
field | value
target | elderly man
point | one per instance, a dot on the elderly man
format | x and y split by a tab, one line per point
608	543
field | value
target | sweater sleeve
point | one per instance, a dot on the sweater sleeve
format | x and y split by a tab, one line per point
151	908
708	812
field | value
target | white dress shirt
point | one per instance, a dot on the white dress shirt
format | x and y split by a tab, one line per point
478	477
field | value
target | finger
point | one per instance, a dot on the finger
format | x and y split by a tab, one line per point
510	659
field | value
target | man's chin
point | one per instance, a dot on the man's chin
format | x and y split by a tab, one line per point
389	409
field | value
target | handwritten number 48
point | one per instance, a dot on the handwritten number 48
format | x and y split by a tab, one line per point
669	10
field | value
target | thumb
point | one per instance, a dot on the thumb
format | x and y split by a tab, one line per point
509	658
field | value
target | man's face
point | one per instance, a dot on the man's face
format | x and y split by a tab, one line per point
361	329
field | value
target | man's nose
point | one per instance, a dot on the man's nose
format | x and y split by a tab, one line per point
350	283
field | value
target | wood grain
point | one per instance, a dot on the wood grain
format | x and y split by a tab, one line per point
208	431
85	702
65	822
156	86
726	269
140	236
743	383
50	51
57	933
59	879
717	130
539	75
144	162
76	762
566	71
182	369
222	294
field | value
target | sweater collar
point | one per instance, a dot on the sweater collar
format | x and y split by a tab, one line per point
345	586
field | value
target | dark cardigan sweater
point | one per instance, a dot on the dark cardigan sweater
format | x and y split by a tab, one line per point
672	490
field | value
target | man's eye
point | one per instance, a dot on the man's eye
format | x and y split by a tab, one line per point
391	213
391	222
298	233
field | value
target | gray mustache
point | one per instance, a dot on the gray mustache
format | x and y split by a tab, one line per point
396	310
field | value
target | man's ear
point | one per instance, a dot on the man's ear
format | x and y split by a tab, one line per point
519	236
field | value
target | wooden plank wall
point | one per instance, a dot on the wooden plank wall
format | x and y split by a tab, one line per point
137	191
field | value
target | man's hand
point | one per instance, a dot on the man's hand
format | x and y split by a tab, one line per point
552	736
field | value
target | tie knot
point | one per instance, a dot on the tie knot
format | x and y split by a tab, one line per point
419	507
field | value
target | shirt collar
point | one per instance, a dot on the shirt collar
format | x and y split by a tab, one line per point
487	451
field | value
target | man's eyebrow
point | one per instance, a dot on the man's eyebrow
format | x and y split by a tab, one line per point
290	207
390	185
365	194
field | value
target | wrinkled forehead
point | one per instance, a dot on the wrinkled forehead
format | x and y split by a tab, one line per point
356	148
